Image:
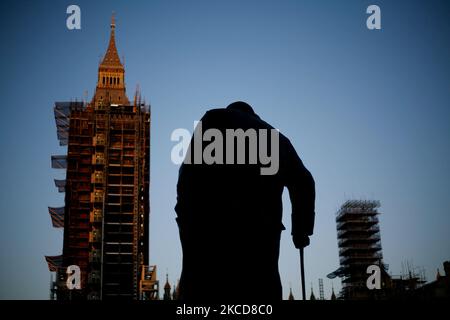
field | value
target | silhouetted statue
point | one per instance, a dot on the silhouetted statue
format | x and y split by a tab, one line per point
230	215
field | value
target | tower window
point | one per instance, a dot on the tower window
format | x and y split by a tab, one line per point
114	80
118	80
110	80
103	80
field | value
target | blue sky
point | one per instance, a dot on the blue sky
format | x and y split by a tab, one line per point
368	112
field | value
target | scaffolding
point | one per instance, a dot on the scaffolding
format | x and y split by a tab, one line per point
321	293
61	185
359	244
62	112
148	285
106	212
57	216
107	193
54	262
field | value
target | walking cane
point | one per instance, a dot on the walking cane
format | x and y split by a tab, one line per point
302	272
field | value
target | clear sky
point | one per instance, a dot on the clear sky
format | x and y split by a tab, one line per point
368	112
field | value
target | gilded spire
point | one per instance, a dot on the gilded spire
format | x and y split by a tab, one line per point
111	76
111	58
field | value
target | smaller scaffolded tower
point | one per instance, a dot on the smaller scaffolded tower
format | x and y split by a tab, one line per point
359	244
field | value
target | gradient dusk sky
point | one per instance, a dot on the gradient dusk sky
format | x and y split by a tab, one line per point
367	110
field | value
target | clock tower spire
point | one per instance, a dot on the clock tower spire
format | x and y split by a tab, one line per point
111	75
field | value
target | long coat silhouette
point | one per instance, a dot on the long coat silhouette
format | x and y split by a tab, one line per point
230	217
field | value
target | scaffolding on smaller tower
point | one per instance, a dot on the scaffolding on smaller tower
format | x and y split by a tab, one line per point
321	294
359	245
